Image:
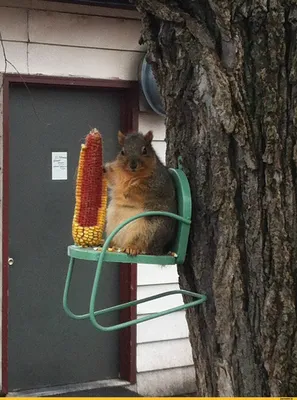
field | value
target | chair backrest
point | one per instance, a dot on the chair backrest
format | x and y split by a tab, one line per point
184	204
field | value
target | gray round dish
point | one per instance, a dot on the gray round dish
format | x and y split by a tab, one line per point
150	88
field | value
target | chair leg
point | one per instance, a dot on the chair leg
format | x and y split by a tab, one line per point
92	313
66	292
199	299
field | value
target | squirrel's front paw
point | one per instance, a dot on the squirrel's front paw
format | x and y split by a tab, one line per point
105	167
108	167
132	251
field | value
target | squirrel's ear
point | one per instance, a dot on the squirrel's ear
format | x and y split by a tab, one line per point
149	136
121	138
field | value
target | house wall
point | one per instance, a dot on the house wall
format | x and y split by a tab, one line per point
46	38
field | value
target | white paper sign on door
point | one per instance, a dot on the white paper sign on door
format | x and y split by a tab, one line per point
59	165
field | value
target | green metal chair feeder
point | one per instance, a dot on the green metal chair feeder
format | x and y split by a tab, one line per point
184	220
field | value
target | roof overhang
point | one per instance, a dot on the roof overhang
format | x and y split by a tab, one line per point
103	3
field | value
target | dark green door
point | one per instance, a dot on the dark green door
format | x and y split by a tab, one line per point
45	347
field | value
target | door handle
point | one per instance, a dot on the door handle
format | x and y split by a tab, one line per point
10	261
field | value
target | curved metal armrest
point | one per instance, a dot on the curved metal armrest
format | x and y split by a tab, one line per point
141	215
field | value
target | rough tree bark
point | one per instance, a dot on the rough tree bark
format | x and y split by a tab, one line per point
227	71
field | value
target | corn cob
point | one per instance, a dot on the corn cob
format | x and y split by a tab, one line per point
90	195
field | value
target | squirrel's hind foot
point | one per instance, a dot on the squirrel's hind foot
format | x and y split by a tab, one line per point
132	251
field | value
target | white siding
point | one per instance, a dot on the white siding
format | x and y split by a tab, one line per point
170	382
160	148
154	122
158	304
83	62
61	44
82	31
156	274
49	38
169	327
164	355
13	24
16	53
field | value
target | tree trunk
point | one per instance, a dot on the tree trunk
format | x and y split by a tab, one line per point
227	72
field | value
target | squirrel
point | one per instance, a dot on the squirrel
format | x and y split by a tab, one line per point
138	182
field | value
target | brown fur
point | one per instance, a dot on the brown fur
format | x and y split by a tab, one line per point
132	192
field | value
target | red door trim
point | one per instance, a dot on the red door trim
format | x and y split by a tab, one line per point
128	272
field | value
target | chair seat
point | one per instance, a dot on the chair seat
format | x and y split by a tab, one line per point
89	254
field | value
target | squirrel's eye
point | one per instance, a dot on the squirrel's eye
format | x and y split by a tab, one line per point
123	152
144	150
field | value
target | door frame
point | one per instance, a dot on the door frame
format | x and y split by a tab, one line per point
128	272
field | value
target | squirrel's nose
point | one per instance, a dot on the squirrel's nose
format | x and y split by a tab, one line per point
133	165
